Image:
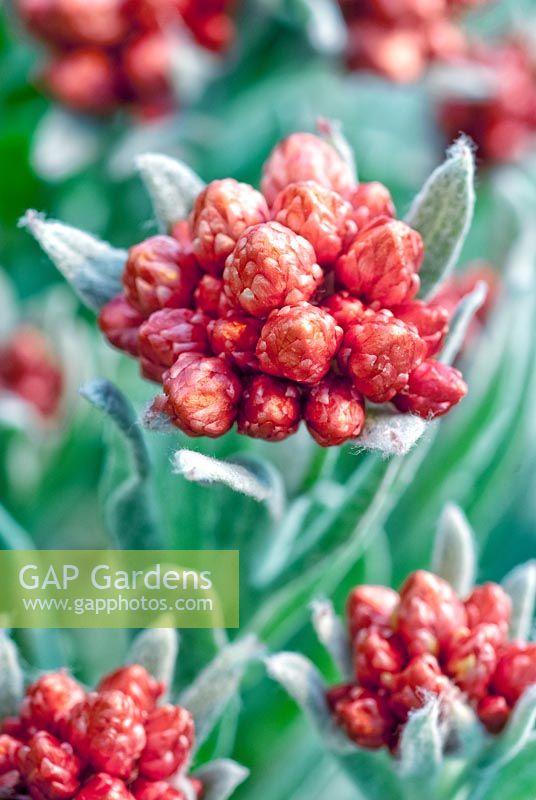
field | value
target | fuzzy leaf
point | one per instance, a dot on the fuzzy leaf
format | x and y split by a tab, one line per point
454	557
64	143
421	746
462	318
304	683
11	678
332	634
172	186
442	213
389	433
276	555
156	649
220	778
208	696
8	305
206	470
324	24
518	732
130	509
520	584
93	267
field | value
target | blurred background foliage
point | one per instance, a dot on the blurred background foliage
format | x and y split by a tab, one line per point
274	82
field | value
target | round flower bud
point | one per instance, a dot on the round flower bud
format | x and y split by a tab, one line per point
516	671
397	52
432	390
29	369
489	604
147	64
166	335
137	683
345	309
305	157
378	655
84	80
208	295
378	354
103	23
160	273
270	267
381	264
364	716
103	787
298	343
370	605
49	700
170	738
429	613
334	411
120	323
397	11
203	395
472	658
371	201
409	688
235	338
223	211
430	320
107	730
493	712
270	409
318	214
155	790
49	768
9	748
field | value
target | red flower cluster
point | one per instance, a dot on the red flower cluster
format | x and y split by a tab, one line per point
28	370
398	38
112	53
503	123
426	641
293	304
111	744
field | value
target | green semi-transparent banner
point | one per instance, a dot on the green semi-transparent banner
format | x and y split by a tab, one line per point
119	589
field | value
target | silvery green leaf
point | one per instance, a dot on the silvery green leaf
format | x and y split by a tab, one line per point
192	66
156	421
390	433
220	778
442	213
11	678
517	733
466	731
172	186
331	130
462	318
459	80
131	513
270	477
17	414
64	143
454	557
8	305
324	23
209	694
275	556
156	649
91	266
203	469
332	634
421	746
520	584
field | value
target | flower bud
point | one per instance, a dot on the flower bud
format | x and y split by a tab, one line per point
235	338
170	738
166	335
378	354
305	157
432	389
160	273
120	323
318	214
270	267
371	201
381	264
364	716
269	409
50	769
472	658
103	23
516	671
135	682
493	712
399	52
370	605
430	320
223	211
147	65
85	80
334	411
29	369
429	613
379	654
422	676
298	343
345	309
49	700
103	787
203	395
208	295
489	603
9	748
155	790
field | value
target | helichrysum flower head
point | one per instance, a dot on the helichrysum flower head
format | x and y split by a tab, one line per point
270	408
432	390
334	411
166	335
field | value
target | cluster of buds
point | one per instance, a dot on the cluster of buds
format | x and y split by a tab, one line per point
114	743
427	641
398	38
29	371
503	121
295	303
107	54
